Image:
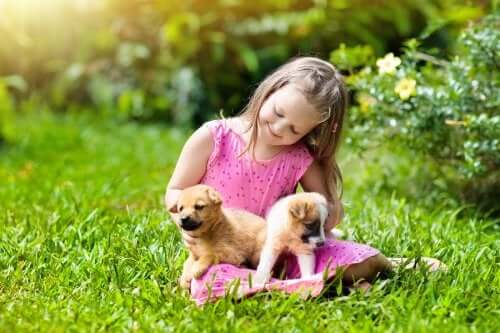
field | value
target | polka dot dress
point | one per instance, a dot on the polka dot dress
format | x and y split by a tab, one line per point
220	280
255	186
248	184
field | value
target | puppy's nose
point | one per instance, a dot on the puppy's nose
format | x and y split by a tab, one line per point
186	221
189	224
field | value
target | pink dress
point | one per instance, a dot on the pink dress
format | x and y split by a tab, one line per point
255	186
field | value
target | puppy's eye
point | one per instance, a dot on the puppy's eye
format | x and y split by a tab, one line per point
311	226
199	207
181	208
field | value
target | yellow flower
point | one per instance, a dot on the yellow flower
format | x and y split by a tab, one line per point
405	88
366	101
388	64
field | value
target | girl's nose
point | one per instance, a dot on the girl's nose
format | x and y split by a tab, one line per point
279	127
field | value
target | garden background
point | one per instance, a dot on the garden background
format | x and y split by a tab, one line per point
98	97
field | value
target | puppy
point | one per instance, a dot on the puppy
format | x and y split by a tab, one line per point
214	234
294	224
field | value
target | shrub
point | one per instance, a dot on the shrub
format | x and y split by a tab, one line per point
7	104
184	61
448	109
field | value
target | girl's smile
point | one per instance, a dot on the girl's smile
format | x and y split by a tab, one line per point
271	131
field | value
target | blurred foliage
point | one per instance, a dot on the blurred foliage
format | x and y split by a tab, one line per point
7	84
183	61
447	108
5	109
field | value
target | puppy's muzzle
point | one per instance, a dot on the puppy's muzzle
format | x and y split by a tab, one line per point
314	240
320	243
313	235
188	224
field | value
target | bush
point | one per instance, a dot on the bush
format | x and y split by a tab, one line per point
448	109
7	104
183	62
5	107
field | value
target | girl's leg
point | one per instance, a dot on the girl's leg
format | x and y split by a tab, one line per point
363	286
367	270
359	276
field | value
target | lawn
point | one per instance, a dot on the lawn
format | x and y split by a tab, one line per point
85	243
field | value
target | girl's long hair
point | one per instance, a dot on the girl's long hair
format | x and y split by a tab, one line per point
322	86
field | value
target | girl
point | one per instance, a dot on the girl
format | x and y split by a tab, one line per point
287	134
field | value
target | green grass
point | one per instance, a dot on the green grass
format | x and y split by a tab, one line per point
85	244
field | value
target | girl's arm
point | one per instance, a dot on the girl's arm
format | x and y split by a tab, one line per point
314	180
191	165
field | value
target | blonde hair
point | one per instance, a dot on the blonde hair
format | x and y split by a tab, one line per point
323	87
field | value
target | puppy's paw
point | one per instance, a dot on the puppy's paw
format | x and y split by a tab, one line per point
306	265
199	271
242	291
185	282
201	266
259	279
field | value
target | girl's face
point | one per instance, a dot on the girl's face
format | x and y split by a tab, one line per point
286	117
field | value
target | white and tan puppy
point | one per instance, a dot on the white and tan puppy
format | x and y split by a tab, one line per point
215	234
294	224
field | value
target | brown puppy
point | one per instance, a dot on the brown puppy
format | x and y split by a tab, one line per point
216	234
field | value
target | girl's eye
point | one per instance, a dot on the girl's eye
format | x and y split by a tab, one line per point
278	114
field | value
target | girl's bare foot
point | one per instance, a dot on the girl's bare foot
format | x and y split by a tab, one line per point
432	264
362	285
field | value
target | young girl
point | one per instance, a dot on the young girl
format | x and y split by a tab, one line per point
287	134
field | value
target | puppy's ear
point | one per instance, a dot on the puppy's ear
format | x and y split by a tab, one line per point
298	209
214	196
173	209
